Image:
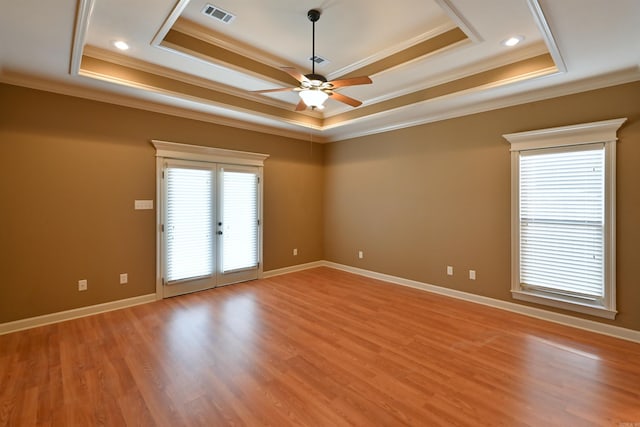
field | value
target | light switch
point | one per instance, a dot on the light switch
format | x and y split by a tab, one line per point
143	204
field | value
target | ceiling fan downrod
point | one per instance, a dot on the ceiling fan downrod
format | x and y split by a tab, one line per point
313	16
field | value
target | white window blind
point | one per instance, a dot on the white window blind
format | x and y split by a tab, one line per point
189	223
562	221
240	220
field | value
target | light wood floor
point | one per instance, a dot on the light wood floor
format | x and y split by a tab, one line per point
318	348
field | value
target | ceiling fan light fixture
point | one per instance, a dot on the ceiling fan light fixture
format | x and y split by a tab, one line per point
314	98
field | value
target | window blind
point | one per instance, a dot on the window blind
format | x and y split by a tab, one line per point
562	221
189	223
240	220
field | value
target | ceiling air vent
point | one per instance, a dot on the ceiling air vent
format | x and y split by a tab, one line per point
218	14
319	60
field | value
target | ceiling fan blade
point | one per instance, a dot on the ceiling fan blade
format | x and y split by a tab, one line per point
363	80
282	89
295	74
301	106
347	100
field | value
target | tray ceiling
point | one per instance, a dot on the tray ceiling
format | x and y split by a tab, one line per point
428	59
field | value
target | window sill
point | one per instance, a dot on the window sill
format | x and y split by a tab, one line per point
564	303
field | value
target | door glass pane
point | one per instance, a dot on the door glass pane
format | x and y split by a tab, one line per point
189	223
240	220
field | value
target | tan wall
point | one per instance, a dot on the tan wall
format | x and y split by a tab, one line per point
413	200
419	199
71	170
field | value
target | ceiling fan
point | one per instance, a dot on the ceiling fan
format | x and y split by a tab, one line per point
314	88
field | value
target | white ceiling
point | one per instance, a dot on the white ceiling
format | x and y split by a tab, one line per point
593	43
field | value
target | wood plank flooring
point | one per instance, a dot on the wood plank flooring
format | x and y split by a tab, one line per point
316	348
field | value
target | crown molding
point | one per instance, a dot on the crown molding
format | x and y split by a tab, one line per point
99	95
147	67
547	35
459	73
197	100
622	77
385	53
325	134
83	17
169	22
470	91
200	32
460	20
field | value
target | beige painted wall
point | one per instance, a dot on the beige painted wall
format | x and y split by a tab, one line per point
71	170
414	200
419	199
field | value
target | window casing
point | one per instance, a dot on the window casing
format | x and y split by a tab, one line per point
563	217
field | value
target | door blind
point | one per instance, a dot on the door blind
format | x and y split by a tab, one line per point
562	221
240	220
189	223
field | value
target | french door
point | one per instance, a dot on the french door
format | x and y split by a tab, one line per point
210	225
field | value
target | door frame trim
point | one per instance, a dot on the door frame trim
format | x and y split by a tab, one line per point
178	151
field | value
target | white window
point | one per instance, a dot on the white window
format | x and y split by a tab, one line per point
563	217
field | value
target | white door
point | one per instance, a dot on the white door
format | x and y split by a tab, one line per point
210	225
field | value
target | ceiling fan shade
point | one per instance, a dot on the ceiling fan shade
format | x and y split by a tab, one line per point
314	88
314	97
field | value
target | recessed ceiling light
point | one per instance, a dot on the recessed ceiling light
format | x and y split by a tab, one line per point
512	41
121	45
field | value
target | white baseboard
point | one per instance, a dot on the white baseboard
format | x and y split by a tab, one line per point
293	269
576	322
61	316
564	319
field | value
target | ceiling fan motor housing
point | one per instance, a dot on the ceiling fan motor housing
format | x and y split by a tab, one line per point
318	77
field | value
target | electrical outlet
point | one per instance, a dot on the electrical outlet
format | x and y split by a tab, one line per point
360	254
124	278
82	285
472	274
295	252
449	270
